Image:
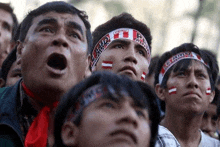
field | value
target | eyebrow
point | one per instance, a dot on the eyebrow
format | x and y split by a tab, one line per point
75	25
125	42
47	21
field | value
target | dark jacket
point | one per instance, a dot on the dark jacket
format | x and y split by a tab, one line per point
10	130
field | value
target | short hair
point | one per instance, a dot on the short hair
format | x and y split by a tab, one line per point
59	7
6	66
153	64
123	20
115	82
212	70
8	8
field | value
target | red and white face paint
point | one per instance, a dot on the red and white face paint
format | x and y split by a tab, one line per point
172	90
208	91
107	64
122	33
143	76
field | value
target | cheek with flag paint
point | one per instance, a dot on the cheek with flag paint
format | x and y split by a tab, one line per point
107	64
172	90
208	91
143	76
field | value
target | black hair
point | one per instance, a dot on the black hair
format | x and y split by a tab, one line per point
153	64
6	66
59	7
9	9
213	68
106	79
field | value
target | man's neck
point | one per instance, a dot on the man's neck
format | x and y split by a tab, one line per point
185	128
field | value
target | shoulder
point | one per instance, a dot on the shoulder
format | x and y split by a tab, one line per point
207	141
165	138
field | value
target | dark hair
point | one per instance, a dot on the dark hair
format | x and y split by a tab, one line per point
6	66
9	9
59	7
123	20
153	64
183	64
106	79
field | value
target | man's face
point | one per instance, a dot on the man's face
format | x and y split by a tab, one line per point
128	58
6	25
106	123
14	74
192	93
54	53
209	121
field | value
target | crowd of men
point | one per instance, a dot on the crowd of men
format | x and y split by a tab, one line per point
63	85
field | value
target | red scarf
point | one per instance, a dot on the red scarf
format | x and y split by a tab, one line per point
38	132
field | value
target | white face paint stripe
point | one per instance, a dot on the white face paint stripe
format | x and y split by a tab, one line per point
172	90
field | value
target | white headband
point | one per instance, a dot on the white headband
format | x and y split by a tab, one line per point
122	33
176	58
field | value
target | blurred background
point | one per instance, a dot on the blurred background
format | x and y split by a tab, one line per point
172	22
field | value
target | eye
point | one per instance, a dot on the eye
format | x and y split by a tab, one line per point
118	46
47	30
6	26
142	52
140	113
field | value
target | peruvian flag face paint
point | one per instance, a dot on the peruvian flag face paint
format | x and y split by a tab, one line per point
172	90
143	76
107	64
208	91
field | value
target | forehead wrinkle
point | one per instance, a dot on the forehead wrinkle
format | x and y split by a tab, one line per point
74	25
47	21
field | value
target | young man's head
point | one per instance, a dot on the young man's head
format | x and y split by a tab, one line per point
8	26
210	117
54	43
122	45
185	79
107	110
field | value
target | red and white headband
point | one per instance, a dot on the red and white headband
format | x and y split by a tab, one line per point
176	58
122	33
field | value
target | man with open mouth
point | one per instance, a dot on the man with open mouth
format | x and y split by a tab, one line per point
53	49
122	45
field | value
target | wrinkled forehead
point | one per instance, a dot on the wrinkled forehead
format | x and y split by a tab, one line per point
61	19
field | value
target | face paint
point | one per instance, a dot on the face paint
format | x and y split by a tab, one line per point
107	64
208	91
143	76
172	90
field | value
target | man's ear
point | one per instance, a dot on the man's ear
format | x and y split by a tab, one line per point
88	71
160	92
212	95
69	133
19	49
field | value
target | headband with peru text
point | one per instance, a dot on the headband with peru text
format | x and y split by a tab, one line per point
90	95
122	33
176	58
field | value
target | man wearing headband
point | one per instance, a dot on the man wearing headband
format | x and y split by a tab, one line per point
185	79
122	45
107	110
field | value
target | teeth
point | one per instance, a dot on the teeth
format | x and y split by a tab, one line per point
57	61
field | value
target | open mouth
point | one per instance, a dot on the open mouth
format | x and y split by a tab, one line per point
57	61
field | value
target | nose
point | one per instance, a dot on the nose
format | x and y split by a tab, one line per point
130	54
60	40
128	116
192	81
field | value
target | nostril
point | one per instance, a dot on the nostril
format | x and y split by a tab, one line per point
55	42
65	45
